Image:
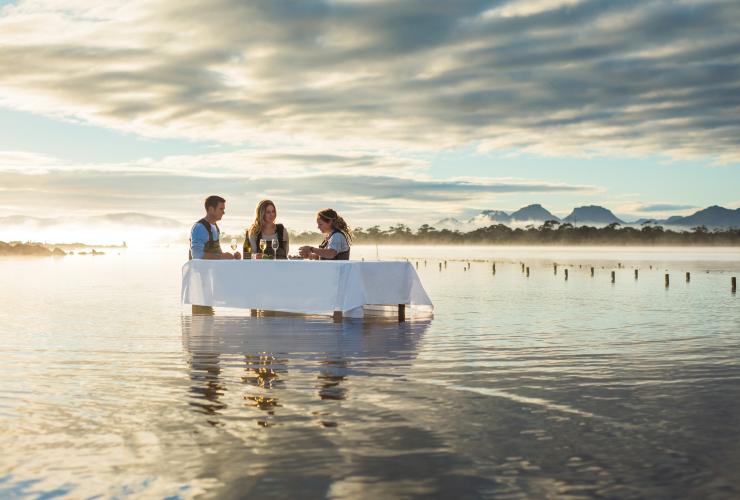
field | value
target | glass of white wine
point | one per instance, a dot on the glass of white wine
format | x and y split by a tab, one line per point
275	244
263	246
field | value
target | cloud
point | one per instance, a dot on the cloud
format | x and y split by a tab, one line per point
665	207
654	77
637	209
368	199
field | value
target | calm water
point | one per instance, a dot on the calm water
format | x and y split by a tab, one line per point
518	387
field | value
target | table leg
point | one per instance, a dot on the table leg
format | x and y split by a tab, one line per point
203	310
401	313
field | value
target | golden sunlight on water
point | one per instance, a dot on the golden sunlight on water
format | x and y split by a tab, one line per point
518	386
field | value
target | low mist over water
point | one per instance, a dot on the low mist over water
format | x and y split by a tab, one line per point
518	386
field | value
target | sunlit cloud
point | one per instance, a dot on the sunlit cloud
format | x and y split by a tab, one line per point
580	78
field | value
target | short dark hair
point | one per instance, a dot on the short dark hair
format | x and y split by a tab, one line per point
213	201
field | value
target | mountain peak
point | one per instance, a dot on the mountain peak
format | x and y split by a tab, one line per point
592	214
535	212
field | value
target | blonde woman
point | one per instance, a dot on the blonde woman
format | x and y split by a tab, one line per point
264	228
337	238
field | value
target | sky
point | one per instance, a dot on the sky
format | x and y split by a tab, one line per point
389	111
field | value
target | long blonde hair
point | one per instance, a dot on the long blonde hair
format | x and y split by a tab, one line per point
337	222
259	216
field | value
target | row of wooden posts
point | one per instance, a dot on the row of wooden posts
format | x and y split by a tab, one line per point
525	270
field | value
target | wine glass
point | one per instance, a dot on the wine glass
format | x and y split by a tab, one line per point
275	244
263	246
233	244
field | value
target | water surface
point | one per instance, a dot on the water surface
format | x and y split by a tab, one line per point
517	387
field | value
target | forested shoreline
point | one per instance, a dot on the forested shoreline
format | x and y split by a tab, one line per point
549	233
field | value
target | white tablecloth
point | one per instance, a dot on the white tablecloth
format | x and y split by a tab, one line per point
309	287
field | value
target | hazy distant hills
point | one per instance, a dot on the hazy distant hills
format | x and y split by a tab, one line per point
713	217
120	219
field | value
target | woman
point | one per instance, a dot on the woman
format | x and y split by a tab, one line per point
337	238
264	228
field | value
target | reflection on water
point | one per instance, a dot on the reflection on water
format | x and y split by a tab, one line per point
520	387
266	348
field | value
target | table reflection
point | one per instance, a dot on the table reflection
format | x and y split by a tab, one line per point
239	365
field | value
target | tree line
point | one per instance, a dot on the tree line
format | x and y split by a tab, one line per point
548	233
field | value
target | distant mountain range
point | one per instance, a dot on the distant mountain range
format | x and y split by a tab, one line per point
593	215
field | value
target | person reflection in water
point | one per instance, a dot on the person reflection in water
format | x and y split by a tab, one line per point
331	374
208	387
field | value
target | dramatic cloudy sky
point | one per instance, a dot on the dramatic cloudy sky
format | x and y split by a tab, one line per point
397	110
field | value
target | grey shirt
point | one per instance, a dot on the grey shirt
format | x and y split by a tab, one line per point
337	241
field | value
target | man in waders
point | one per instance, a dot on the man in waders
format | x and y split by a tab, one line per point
204	239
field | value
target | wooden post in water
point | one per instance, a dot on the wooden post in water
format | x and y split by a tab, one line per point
417	264
445	264
440	267
425	263
688	277
635	274
566	275
527	272
667	280
733	283
494	268
554	268
614	277
522	266
592	272
401	313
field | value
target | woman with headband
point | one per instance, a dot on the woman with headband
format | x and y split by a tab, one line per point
337	238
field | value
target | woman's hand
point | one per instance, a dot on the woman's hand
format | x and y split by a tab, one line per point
305	251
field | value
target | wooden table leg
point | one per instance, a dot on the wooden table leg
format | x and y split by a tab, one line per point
401	312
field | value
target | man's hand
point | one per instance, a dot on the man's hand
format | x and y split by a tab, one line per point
304	251
237	255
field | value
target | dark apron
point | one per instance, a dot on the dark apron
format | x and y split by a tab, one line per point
340	255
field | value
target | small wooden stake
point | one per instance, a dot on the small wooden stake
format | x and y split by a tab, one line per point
614	276
527	272
635	273
401	313
733	283
688	277
554	268
494	268
592	272
667	280
522	266
566	275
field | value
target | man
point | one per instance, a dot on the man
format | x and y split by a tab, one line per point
204	243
